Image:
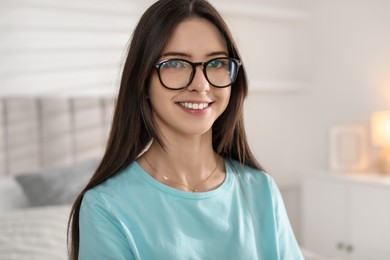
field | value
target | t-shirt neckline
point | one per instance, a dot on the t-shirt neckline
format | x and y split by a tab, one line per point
184	194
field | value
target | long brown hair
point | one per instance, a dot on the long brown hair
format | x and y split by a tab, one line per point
133	127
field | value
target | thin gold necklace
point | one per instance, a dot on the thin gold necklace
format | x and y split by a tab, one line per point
194	189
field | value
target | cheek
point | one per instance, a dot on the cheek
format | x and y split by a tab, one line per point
160	98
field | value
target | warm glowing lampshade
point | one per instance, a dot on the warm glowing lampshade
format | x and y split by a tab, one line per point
380	128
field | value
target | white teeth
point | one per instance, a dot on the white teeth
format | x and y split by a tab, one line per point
196	106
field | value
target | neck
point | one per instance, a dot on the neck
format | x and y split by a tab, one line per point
186	162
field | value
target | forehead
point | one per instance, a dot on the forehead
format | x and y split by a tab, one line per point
195	37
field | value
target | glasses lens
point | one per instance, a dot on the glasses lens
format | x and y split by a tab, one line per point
175	74
221	72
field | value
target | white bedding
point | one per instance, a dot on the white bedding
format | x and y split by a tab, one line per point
34	233
34	211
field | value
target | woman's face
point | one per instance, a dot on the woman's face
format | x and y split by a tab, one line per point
193	110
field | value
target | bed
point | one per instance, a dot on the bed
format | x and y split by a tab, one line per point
49	148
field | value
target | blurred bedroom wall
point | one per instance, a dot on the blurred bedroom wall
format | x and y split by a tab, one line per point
348	79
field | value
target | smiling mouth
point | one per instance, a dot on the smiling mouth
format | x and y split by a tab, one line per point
195	106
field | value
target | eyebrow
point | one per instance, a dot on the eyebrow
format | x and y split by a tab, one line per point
186	55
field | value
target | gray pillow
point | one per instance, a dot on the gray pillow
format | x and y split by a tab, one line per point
11	195
57	186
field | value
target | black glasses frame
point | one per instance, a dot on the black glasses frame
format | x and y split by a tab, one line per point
204	64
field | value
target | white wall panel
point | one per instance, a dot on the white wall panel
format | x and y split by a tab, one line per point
63	47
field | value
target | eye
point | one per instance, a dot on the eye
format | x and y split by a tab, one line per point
217	63
174	64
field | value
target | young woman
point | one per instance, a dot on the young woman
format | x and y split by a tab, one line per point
178	180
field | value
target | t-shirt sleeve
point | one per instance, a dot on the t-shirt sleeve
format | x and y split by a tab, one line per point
287	244
101	234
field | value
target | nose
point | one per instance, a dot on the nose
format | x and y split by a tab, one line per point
199	82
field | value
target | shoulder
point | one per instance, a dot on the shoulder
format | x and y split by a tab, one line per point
251	178
117	186
248	173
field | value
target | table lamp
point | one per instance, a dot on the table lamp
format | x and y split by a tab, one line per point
380	133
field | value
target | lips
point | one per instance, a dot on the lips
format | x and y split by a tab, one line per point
194	106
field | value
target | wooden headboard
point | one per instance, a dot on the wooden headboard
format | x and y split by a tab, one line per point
42	132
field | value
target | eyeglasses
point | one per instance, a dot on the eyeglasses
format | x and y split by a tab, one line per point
178	73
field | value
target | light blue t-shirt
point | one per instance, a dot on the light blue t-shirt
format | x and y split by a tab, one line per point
133	216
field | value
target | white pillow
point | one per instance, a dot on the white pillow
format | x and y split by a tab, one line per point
11	195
